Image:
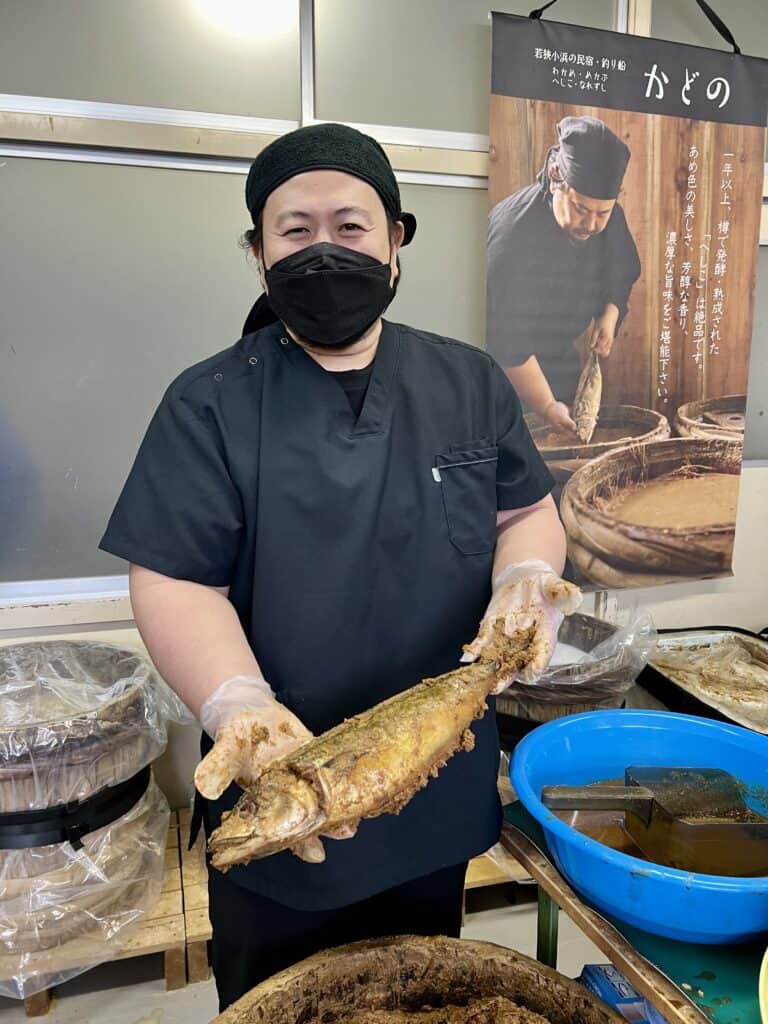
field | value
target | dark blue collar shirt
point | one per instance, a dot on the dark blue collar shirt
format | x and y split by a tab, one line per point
358	551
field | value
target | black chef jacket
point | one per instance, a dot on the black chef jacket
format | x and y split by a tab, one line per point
543	290
358	553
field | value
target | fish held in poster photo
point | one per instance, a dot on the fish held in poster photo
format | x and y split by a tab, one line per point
589	394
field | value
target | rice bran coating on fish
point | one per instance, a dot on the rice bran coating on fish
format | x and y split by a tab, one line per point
368	765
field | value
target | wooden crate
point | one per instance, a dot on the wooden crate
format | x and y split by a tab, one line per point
482	871
162	931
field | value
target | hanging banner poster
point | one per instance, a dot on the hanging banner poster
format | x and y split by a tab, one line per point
625	188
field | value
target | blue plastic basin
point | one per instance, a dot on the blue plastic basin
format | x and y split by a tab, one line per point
598	746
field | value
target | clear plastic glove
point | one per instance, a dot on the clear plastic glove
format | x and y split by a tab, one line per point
251	729
527	595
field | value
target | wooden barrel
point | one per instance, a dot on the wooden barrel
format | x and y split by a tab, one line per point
713	417
74	717
611	553
408	973
62	910
627	424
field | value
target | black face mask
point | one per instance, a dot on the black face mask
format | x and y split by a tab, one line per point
328	294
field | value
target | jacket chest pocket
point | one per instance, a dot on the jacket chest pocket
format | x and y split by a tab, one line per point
467	478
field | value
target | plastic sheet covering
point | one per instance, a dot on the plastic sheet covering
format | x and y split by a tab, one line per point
76	717
595	664
727	671
64	910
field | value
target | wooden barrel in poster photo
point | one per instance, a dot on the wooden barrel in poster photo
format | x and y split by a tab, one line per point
654	513
390	979
618	426
713	417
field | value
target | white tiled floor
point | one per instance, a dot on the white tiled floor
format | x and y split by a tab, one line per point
133	991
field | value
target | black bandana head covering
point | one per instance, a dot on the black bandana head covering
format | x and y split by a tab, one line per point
590	157
325	147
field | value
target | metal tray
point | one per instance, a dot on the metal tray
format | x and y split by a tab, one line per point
674	693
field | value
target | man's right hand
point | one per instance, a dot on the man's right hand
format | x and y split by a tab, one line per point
251	729
558	415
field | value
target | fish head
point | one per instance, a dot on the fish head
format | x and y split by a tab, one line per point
279	810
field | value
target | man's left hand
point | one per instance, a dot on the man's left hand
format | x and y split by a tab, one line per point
604	332
527	595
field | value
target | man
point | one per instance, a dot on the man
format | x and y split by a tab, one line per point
314	521
561	261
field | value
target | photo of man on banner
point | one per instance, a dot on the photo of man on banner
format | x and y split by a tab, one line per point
562	263
625	190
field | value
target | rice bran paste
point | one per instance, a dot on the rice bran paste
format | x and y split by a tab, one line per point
678	501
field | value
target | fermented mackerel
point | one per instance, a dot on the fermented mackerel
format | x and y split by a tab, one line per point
369	765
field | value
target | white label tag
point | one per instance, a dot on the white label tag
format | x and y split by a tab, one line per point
436	475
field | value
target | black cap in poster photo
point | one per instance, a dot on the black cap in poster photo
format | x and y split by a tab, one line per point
591	159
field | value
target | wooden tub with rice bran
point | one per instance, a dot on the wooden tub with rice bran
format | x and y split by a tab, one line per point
618	425
397	980
654	513
713	417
